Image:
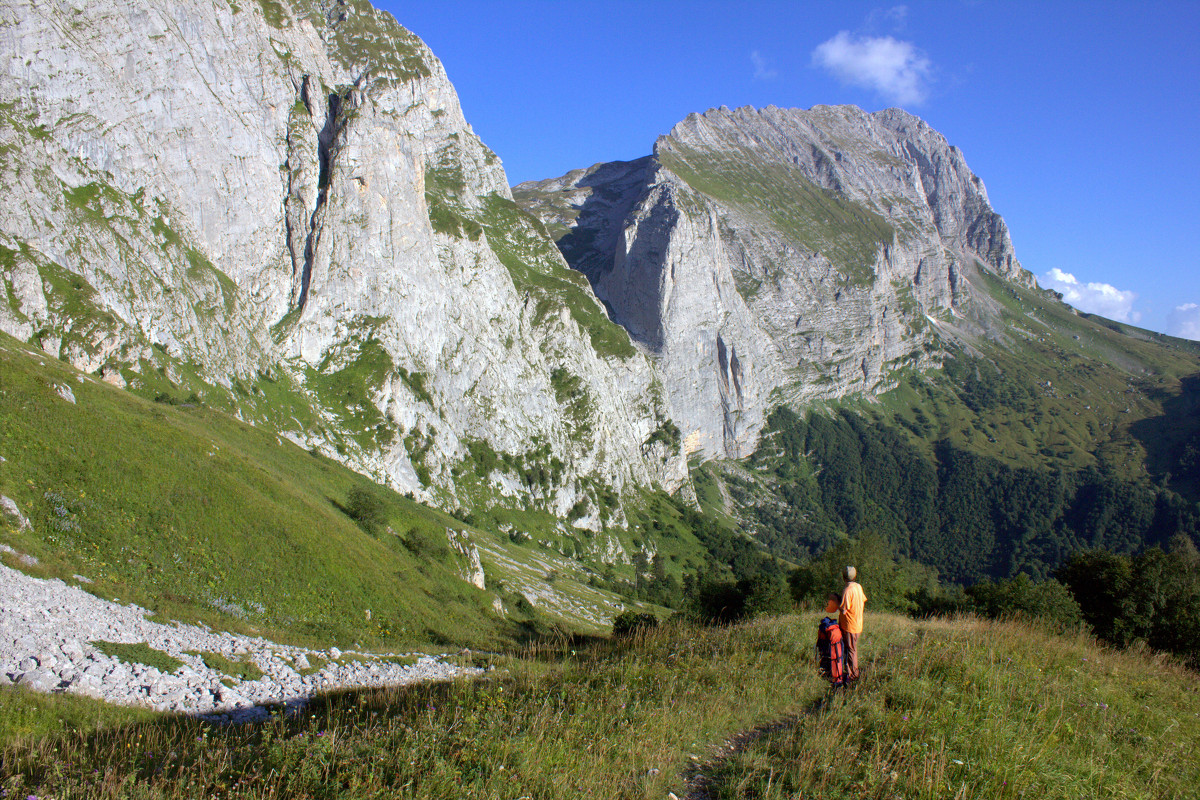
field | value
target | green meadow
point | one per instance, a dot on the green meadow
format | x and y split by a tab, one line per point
961	708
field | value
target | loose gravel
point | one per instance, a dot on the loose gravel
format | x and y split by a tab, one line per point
47	630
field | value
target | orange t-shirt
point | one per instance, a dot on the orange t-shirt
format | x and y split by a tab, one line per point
851	617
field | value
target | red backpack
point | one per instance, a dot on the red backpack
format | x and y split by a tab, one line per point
829	651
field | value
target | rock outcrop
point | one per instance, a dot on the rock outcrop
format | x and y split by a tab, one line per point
781	255
280	207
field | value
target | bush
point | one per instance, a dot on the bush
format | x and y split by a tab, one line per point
365	507
1152	597
426	544
1048	601
764	594
717	602
629	622
889	582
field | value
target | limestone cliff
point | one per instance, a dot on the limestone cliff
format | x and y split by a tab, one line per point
281	207
781	255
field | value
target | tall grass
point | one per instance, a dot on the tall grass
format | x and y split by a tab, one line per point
599	719
965	709
997	710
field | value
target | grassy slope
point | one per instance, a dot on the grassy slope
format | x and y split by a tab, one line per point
190	513
974	709
187	511
1094	396
944	709
782	197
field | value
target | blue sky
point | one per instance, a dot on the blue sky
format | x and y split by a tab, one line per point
1081	118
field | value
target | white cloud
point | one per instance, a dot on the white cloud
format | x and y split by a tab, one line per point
893	18
1094	298
763	71
1184	321
896	70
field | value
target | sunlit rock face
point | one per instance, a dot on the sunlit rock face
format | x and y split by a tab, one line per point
780	256
232	193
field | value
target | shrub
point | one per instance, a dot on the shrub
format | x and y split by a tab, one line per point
1020	597
629	622
365	507
1152	597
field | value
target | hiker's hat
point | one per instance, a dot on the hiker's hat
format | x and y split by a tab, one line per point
850	573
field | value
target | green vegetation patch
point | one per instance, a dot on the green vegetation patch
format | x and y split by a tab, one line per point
315	664
573	395
782	196
346	381
28	717
139	653
526	249
273	12
243	669
366	37
76	315
668	433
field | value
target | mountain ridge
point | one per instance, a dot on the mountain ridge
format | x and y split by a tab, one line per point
811	225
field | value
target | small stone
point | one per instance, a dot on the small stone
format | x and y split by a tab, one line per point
72	651
8	507
85	686
42	680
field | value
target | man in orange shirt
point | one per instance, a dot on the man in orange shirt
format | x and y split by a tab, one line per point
850	620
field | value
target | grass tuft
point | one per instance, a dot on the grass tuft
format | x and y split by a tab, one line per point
140	653
243	669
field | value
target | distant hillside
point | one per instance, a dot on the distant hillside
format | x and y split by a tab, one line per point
768	256
1065	435
837	310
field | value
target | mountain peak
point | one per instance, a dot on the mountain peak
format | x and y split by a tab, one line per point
783	254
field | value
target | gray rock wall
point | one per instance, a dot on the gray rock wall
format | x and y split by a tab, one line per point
780	255
264	188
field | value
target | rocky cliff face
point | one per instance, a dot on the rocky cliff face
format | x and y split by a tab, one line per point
781	255
280	206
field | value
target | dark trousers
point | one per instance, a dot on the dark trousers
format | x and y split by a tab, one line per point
850	647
